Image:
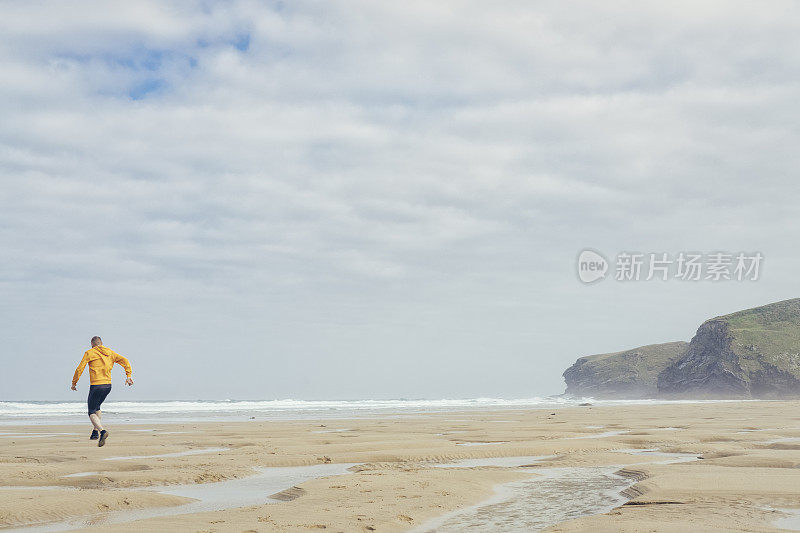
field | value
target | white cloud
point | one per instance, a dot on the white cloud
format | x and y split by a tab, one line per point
404	167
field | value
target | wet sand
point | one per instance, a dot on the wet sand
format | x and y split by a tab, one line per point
741	470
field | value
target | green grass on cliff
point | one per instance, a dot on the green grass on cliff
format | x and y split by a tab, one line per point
642	364
770	331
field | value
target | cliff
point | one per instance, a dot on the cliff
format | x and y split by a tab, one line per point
749	354
627	374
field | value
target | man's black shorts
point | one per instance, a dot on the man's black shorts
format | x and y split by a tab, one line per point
97	393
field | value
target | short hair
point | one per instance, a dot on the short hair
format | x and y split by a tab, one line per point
96	341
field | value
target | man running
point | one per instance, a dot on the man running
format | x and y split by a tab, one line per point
100	360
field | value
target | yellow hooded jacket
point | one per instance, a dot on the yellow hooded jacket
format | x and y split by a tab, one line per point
101	360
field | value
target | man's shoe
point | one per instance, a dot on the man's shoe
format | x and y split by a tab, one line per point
103	437
95	435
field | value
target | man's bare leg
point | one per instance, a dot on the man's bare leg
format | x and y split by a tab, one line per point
96	422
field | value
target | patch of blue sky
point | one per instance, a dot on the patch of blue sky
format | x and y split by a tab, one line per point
150	67
146	87
137	58
242	42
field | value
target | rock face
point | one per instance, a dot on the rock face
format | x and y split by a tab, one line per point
628	374
752	353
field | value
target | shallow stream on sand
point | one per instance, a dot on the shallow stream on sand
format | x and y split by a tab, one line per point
553	496
254	490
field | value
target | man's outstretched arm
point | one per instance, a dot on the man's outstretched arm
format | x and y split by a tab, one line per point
124	363
79	371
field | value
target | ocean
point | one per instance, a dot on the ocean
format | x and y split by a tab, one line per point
57	412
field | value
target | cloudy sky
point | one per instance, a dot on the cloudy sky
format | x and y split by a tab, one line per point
352	199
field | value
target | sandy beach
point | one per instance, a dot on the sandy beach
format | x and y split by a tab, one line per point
729	466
